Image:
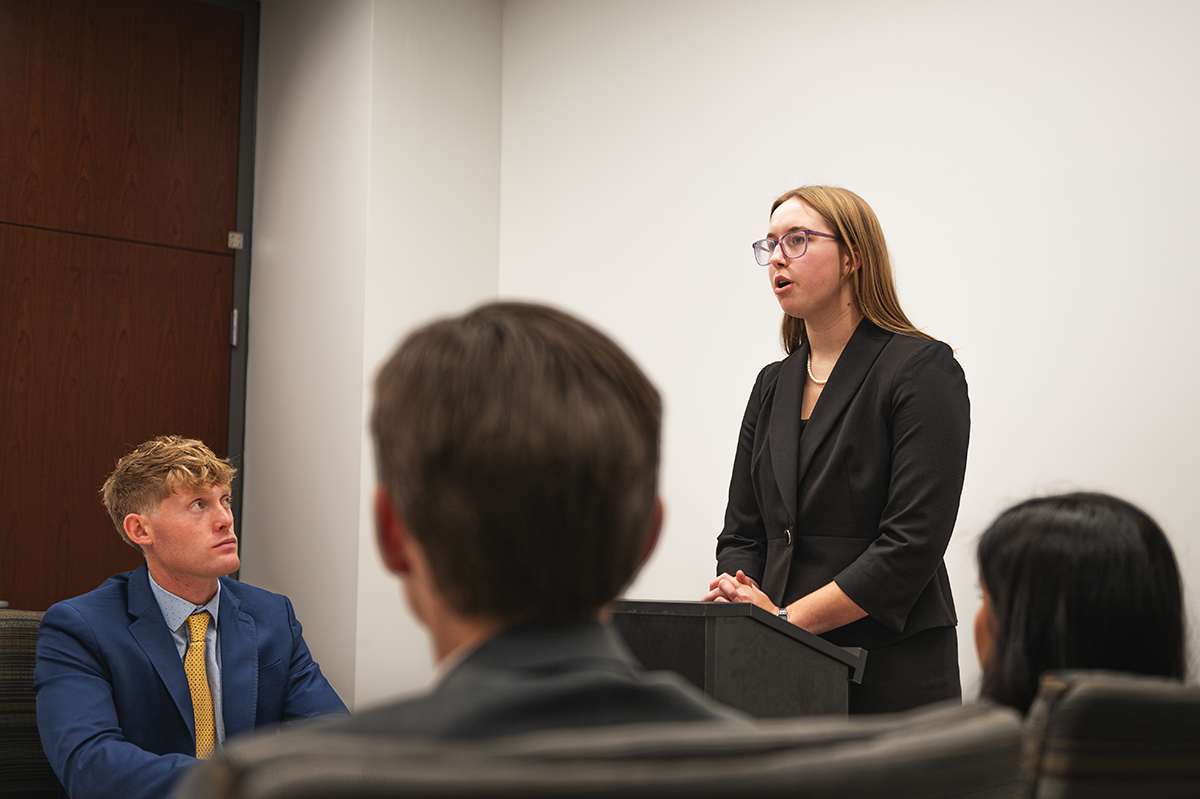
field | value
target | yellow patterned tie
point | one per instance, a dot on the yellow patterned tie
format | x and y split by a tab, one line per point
197	674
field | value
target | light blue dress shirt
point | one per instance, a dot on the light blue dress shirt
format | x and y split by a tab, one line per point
175	611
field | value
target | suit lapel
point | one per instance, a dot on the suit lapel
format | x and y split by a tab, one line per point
239	663
784	434
149	629
845	380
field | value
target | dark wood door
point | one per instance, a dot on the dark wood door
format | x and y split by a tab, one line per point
118	183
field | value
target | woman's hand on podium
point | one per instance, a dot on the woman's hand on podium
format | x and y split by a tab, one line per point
738	588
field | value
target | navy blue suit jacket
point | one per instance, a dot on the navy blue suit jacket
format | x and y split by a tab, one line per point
113	705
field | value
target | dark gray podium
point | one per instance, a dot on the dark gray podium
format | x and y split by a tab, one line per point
741	656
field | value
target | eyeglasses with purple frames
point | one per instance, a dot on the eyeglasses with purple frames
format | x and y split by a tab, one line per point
794	245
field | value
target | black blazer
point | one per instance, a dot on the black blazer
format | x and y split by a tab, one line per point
867	496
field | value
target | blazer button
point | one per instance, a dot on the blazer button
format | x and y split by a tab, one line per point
787	537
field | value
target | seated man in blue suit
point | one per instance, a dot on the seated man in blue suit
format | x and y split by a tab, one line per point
157	666
517	452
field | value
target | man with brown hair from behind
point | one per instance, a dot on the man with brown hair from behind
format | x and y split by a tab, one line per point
517	450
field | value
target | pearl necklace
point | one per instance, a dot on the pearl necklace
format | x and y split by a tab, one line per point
810	374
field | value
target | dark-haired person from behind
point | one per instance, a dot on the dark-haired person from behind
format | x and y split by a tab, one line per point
1075	581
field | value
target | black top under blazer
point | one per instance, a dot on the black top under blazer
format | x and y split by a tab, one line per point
867	496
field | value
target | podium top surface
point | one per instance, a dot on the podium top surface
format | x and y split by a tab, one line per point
853	657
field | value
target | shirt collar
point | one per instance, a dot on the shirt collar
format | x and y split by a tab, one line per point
175	609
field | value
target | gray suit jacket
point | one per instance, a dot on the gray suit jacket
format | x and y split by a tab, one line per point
545	676
542	676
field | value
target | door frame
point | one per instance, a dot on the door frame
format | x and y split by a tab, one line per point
240	324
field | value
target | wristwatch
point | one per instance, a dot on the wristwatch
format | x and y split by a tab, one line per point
782	613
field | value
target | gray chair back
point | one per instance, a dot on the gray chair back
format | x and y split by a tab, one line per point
941	752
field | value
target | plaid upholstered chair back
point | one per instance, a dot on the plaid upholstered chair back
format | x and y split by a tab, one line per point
1096	734
24	771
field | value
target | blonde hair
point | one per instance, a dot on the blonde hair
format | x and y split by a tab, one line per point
874	287
153	471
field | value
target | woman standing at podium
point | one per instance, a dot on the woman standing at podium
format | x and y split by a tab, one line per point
850	460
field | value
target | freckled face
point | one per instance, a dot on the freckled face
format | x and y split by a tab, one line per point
191	535
817	282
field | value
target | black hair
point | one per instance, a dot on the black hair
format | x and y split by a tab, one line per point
1082	581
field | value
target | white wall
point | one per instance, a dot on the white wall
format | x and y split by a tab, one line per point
303	481
1033	165
434	218
377	189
